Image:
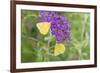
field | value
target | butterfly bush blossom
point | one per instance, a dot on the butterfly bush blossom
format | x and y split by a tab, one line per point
59	25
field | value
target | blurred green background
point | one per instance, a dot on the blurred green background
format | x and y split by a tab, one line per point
34	45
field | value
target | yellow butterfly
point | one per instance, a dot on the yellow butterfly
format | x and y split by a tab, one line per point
59	49
43	27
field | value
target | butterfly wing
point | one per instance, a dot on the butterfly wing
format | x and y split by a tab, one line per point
43	27
59	49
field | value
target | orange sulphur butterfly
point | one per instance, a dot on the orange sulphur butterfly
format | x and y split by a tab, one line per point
59	49
43	27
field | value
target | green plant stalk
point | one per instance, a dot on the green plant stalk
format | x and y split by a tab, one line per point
82	36
47	49
80	54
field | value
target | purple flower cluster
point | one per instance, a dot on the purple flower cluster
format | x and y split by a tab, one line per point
59	25
47	16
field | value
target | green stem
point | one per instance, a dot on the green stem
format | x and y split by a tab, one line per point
83	35
48	47
31	38
80	54
84	26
